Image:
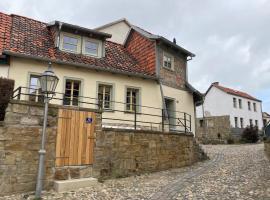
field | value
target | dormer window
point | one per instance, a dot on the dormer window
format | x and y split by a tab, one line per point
70	43
91	48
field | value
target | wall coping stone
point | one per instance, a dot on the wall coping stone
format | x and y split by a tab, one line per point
39	104
189	134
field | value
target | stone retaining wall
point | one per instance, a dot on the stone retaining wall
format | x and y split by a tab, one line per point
121	153
117	153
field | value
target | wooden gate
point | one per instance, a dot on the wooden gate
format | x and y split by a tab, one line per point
75	137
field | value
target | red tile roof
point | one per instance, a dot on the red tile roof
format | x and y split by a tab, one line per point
234	92
5	28
33	38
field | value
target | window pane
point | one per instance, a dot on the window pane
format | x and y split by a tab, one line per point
91	48
70	40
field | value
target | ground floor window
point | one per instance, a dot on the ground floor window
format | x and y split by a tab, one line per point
72	92
34	89
132	99
242	122
250	122
105	96
256	123
236	122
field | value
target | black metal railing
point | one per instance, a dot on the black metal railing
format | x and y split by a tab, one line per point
140	117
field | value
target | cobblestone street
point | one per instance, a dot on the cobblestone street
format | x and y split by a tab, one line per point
233	172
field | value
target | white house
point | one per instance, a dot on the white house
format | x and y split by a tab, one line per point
243	109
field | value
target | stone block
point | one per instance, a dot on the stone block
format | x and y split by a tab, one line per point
36	111
61	174
30	120
74	172
19	108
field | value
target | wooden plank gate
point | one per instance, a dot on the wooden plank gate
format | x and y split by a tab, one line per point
75	137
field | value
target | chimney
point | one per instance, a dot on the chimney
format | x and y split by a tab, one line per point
215	83
174	40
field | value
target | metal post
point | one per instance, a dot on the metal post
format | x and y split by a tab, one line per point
185	122
135	117
162	118
190	123
19	95
42	151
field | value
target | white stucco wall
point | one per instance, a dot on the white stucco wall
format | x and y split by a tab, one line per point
118	31
218	103
183	102
4	71
150	95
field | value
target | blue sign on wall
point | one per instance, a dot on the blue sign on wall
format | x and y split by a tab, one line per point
89	120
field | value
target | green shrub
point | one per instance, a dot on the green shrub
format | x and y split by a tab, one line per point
250	134
6	91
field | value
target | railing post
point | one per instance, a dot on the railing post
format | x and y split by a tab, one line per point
19	95
190	123
135	117
162	118
185	122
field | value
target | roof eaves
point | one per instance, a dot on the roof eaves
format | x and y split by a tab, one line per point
114	22
93	31
93	67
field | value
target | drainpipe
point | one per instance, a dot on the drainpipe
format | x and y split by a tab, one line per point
58	37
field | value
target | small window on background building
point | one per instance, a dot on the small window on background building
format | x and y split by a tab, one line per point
236	122
34	89
255	107
70	43
241	122
240	103
72	93
249	107
250	122
105	96
256	123
91	48
167	61
234	103
132	99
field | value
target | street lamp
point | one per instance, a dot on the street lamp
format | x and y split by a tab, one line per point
48	82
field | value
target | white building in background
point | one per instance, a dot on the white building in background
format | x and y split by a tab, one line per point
243	109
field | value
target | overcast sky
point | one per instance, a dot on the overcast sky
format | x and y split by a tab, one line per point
231	38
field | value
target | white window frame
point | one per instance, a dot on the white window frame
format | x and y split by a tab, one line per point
92	41
78	50
138	101
37	94
256	123
249	105
255	107
236	122
72	87
165	54
234	102
240	103
241	122
111	95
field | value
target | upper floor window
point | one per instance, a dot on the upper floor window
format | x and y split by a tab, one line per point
167	61
249	107
240	103
91	48
255	107
132	99
70	43
234	103
105	96
72	92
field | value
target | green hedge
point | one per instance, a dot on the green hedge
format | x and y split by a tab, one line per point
6	91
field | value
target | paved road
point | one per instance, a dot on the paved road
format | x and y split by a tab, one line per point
233	172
